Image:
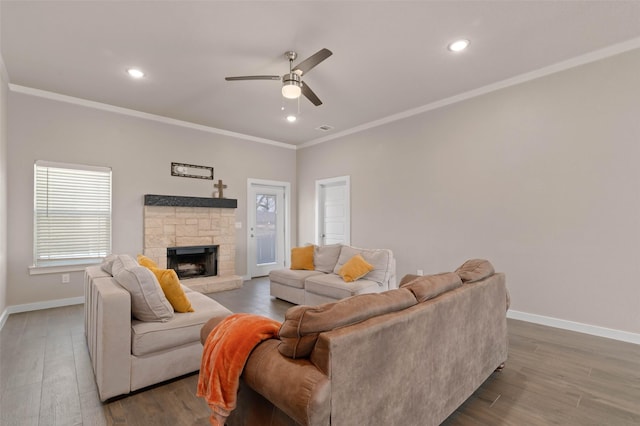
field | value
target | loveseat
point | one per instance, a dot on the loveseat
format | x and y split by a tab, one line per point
129	353
321	283
408	356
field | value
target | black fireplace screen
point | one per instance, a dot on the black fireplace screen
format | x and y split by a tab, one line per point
193	261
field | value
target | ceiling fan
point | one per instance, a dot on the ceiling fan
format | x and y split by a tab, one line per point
292	84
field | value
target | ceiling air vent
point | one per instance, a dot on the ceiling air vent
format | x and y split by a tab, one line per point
324	128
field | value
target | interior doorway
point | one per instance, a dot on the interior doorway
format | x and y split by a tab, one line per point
268	226
333	211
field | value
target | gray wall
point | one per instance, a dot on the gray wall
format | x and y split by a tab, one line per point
541	178
3	192
140	153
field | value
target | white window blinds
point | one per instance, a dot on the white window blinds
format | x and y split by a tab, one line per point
72	214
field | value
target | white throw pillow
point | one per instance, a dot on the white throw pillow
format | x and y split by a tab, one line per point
107	263
325	257
148	302
379	258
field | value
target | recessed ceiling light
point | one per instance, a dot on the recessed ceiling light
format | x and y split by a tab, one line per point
135	73
458	45
291	118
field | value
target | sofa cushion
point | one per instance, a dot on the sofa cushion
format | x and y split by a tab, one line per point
326	257
184	328
332	285
475	270
107	263
355	268
302	324
97	271
302	258
148	302
407	278
291	278
430	286
381	259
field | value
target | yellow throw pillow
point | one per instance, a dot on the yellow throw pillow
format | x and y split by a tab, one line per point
302	258
170	284
355	268
146	262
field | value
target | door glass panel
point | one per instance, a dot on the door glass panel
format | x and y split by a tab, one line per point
266	230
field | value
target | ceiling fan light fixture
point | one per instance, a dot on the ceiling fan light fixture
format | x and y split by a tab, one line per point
291	118
291	86
291	90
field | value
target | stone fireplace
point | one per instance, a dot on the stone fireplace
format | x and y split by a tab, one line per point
172	222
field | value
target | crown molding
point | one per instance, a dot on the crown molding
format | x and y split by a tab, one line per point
143	115
593	56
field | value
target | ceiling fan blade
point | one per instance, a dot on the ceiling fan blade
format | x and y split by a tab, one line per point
308	93
253	77
313	60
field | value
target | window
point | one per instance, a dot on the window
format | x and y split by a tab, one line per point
72	214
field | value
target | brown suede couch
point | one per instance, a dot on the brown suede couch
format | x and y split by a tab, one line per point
408	356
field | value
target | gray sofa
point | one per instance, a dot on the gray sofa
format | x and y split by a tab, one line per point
129	354
408	356
323	284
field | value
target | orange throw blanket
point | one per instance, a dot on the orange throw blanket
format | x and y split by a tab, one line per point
225	353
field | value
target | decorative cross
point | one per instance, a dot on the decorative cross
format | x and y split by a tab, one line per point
219	186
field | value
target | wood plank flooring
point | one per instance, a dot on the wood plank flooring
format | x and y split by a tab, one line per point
552	377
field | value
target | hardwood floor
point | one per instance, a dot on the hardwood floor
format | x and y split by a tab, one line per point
552	376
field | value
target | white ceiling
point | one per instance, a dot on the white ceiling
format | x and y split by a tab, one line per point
388	56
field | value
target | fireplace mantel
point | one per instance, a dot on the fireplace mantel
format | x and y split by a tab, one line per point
178	201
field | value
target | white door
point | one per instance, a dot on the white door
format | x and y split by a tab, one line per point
333	212
267	226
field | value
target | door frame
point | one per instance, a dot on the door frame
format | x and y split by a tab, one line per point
346	180
286	186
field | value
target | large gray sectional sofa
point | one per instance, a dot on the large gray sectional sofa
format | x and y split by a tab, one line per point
408	356
323	284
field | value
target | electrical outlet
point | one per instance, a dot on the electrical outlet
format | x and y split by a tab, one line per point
238	225
65	278
420	272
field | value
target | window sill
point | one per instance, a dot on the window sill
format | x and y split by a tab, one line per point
42	270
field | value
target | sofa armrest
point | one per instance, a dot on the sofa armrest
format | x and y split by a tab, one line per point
295	386
111	358
211	324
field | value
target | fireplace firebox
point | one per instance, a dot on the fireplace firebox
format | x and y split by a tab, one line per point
193	261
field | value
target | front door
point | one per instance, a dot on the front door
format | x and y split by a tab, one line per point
267	217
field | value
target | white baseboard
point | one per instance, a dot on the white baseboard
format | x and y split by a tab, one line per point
594	330
36	306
